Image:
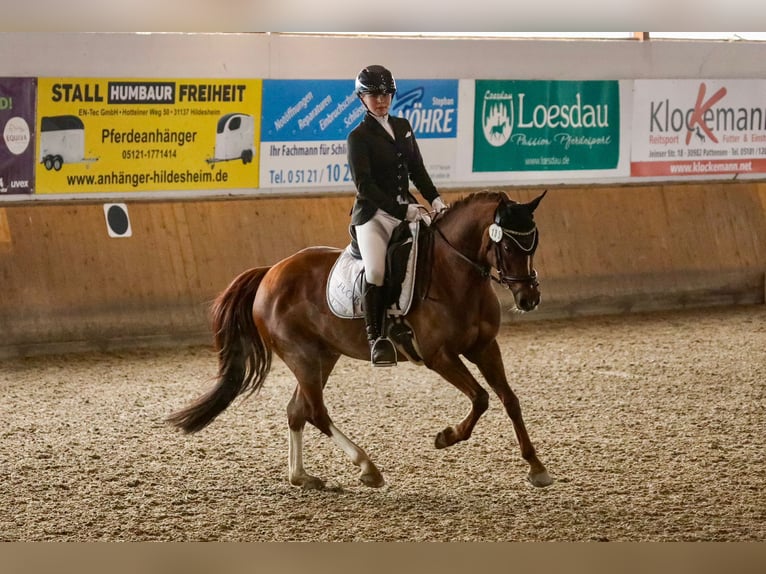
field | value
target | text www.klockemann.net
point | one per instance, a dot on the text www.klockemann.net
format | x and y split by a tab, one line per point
711	167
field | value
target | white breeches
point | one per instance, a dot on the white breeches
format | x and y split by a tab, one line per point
373	238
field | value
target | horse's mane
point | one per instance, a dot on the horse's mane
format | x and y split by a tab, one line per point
477	197
480	196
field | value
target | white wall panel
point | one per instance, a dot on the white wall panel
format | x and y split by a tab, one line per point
270	55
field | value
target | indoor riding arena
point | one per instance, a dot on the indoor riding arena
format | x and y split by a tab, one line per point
640	375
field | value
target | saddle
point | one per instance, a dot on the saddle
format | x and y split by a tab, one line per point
346	283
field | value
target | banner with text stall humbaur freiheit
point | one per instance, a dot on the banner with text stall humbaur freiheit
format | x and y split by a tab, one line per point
546	126
306	123
699	128
118	135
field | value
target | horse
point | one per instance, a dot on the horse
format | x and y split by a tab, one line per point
282	309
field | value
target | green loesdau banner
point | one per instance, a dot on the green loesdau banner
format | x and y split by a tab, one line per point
523	125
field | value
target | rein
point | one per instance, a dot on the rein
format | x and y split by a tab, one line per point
485	270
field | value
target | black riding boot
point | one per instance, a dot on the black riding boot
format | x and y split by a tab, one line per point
382	350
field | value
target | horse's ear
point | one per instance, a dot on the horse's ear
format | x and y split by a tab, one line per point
532	205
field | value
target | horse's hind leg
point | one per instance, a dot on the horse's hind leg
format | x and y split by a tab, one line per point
296	472
370	475
490	363
298	476
307	405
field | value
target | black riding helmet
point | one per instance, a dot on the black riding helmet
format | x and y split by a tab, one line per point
375	80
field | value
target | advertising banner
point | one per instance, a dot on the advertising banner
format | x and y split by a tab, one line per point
113	135
306	123
543	126
17	124
698	127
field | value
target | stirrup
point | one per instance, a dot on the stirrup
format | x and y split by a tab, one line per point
383	353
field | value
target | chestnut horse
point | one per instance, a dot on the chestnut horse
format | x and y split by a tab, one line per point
282	309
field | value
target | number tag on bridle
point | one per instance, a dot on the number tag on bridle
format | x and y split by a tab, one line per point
495	233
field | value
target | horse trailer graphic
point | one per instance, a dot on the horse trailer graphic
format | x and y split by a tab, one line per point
234	138
62	140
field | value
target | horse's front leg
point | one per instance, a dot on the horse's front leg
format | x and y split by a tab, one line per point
452	369
490	363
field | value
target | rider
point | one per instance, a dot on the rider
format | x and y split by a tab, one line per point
383	156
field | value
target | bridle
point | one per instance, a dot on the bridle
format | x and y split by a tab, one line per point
501	277
530	278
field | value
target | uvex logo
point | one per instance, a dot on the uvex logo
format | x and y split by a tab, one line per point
699	114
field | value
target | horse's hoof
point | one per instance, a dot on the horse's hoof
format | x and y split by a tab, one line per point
445	438
540	479
309	483
372	480
313	484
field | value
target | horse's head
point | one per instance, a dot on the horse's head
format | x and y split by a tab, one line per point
503	234
510	243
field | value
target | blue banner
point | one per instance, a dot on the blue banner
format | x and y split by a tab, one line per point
327	110
305	124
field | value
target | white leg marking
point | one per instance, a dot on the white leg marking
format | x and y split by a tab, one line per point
295	456
356	454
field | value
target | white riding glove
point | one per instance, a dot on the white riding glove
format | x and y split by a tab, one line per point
438	205
415	212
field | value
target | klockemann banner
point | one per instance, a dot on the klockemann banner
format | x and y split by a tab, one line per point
107	135
17	123
527	126
698	127
306	123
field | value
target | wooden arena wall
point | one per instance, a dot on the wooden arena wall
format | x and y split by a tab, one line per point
67	285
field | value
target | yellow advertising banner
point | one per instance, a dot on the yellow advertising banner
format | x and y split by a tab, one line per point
115	135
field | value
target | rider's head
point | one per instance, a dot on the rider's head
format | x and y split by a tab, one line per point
375	80
376	87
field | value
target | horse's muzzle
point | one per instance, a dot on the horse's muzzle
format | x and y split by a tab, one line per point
526	290
527	299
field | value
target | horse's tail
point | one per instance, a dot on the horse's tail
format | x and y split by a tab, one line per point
244	358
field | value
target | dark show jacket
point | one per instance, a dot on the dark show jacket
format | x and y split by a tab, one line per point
382	168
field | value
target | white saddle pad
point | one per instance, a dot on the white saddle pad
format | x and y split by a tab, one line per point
344	286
